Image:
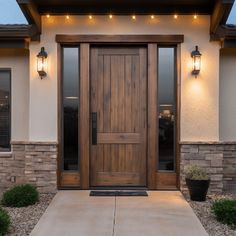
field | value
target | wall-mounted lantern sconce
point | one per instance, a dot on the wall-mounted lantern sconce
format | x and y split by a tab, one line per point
196	55
42	63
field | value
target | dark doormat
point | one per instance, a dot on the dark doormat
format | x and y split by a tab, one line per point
118	193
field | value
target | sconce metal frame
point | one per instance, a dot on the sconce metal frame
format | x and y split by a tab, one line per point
196	55
41	58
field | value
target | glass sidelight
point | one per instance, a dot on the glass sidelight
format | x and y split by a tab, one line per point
166	108
70	108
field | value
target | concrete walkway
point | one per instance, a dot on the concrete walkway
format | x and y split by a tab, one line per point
162	213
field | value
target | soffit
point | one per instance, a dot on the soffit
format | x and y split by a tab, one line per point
125	7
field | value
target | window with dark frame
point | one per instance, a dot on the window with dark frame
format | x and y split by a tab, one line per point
5	110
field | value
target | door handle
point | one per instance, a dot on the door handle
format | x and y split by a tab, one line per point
94	128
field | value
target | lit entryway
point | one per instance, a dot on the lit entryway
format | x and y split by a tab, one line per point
161	213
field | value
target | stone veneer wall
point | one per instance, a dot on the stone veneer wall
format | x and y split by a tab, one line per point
30	162
219	160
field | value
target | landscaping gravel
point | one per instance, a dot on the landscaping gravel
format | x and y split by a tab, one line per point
24	219
205	215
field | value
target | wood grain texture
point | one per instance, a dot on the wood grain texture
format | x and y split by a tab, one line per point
70	179
164	39
152	115
178	109
59	114
118	95
120	84
166	180
84	125
120	178
117	138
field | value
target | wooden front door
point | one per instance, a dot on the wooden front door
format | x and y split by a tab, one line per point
118	152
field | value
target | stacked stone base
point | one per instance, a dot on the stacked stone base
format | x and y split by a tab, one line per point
30	162
217	158
36	163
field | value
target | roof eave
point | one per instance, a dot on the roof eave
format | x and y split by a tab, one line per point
218	27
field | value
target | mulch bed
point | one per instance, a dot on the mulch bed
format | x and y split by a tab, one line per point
24	219
205	215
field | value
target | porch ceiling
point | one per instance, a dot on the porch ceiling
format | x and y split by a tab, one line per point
33	9
125	7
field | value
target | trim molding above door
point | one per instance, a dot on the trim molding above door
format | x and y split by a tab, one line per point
95	38
152	42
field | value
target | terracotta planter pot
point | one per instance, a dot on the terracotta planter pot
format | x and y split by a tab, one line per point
198	189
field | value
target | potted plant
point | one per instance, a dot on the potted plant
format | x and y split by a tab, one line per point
197	181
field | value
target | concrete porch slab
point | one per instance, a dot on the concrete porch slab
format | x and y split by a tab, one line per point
161	213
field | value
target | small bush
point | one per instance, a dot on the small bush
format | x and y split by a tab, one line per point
4	222
225	211
195	173
20	196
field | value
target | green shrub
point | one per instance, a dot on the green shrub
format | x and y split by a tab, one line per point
20	196
225	211
195	173
4	222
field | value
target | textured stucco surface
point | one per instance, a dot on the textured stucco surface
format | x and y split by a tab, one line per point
227	95
18	62
199	97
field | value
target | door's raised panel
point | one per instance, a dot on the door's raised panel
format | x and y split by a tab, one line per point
122	138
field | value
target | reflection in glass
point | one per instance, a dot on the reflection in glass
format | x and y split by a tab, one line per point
5	110
166	108
71	107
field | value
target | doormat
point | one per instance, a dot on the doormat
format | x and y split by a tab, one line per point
119	193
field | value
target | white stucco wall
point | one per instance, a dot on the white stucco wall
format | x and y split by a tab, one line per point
18	62
228	95
199	97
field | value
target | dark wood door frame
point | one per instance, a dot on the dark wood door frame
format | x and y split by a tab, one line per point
152	42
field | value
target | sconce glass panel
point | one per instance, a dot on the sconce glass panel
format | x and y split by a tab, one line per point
196	55
42	63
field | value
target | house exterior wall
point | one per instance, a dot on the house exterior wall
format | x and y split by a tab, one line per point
199	97
18	62
34	150
30	162
227	95
217	158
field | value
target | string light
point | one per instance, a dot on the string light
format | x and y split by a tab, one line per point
48	16
195	16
